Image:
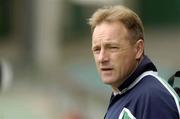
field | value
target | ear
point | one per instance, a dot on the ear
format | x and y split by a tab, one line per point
139	49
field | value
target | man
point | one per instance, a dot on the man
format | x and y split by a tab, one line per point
118	49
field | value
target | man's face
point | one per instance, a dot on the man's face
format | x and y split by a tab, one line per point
114	55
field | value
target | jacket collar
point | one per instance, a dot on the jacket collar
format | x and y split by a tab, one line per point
145	65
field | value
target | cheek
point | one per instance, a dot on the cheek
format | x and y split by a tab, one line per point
129	63
122	62
96	61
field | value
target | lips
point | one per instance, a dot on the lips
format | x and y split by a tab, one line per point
106	69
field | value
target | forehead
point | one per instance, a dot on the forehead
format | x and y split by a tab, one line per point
109	32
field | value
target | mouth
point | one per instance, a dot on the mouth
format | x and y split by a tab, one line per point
106	69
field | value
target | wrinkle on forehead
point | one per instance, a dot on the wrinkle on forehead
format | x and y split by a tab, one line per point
109	32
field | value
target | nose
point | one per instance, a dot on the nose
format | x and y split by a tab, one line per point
103	56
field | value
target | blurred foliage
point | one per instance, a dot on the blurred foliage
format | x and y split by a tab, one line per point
157	12
4	17
76	25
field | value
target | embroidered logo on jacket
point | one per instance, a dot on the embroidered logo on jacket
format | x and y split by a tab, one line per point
126	114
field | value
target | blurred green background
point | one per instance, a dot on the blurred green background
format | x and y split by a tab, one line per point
47	64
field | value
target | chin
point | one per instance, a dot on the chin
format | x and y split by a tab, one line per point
108	81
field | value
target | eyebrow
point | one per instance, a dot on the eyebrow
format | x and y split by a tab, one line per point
107	44
94	47
111	43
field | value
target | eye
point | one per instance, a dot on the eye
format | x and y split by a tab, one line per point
113	48
96	50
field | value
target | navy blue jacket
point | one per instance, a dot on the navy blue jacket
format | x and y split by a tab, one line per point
144	95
